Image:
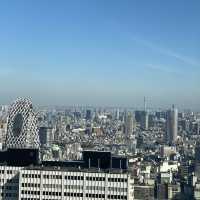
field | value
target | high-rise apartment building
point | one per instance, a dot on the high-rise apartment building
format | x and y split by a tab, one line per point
144	120
88	116
171	125
46	135
128	124
117	114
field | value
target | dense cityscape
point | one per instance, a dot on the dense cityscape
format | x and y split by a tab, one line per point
99	100
158	150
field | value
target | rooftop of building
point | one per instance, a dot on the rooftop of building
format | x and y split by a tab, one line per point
93	161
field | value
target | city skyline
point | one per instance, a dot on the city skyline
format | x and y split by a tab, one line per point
104	53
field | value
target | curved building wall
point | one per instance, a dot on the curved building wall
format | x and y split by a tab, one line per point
22	131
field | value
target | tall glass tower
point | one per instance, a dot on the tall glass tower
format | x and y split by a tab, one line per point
171	125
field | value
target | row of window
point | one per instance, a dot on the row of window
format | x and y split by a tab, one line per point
117	197
44	185
31	175
117	180
95	178
30	199
30	192
95	188
46	176
95	195
72	194
30	185
52	176
74	177
52	193
88	178
68	194
8	172
34	199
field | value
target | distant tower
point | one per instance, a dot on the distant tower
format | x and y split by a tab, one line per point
144	117
145	106
171	125
22	131
144	120
46	136
128	124
117	114
88	115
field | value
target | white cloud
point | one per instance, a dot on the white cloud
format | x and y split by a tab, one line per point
167	52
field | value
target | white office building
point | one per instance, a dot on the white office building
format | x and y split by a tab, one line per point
38	183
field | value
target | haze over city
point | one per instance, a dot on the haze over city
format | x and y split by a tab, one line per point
104	53
99	99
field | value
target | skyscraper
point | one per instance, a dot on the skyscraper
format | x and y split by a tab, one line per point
144	120
88	115
171	125
144	117
46	135
128	124
117	114
22	131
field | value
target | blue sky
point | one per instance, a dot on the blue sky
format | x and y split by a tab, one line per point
101	52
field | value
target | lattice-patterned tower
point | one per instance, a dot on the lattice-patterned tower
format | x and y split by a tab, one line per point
22	131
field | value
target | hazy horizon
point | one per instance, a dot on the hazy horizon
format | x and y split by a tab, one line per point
101	53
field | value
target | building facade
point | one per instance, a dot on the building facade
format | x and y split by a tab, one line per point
22	131
36	183
171	125
128	124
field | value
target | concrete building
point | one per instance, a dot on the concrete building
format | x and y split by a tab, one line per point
128	124
46	136
144	120
164	191
117	114
144	192
171	125
9	182
88	116
86	179
167	151
44	183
